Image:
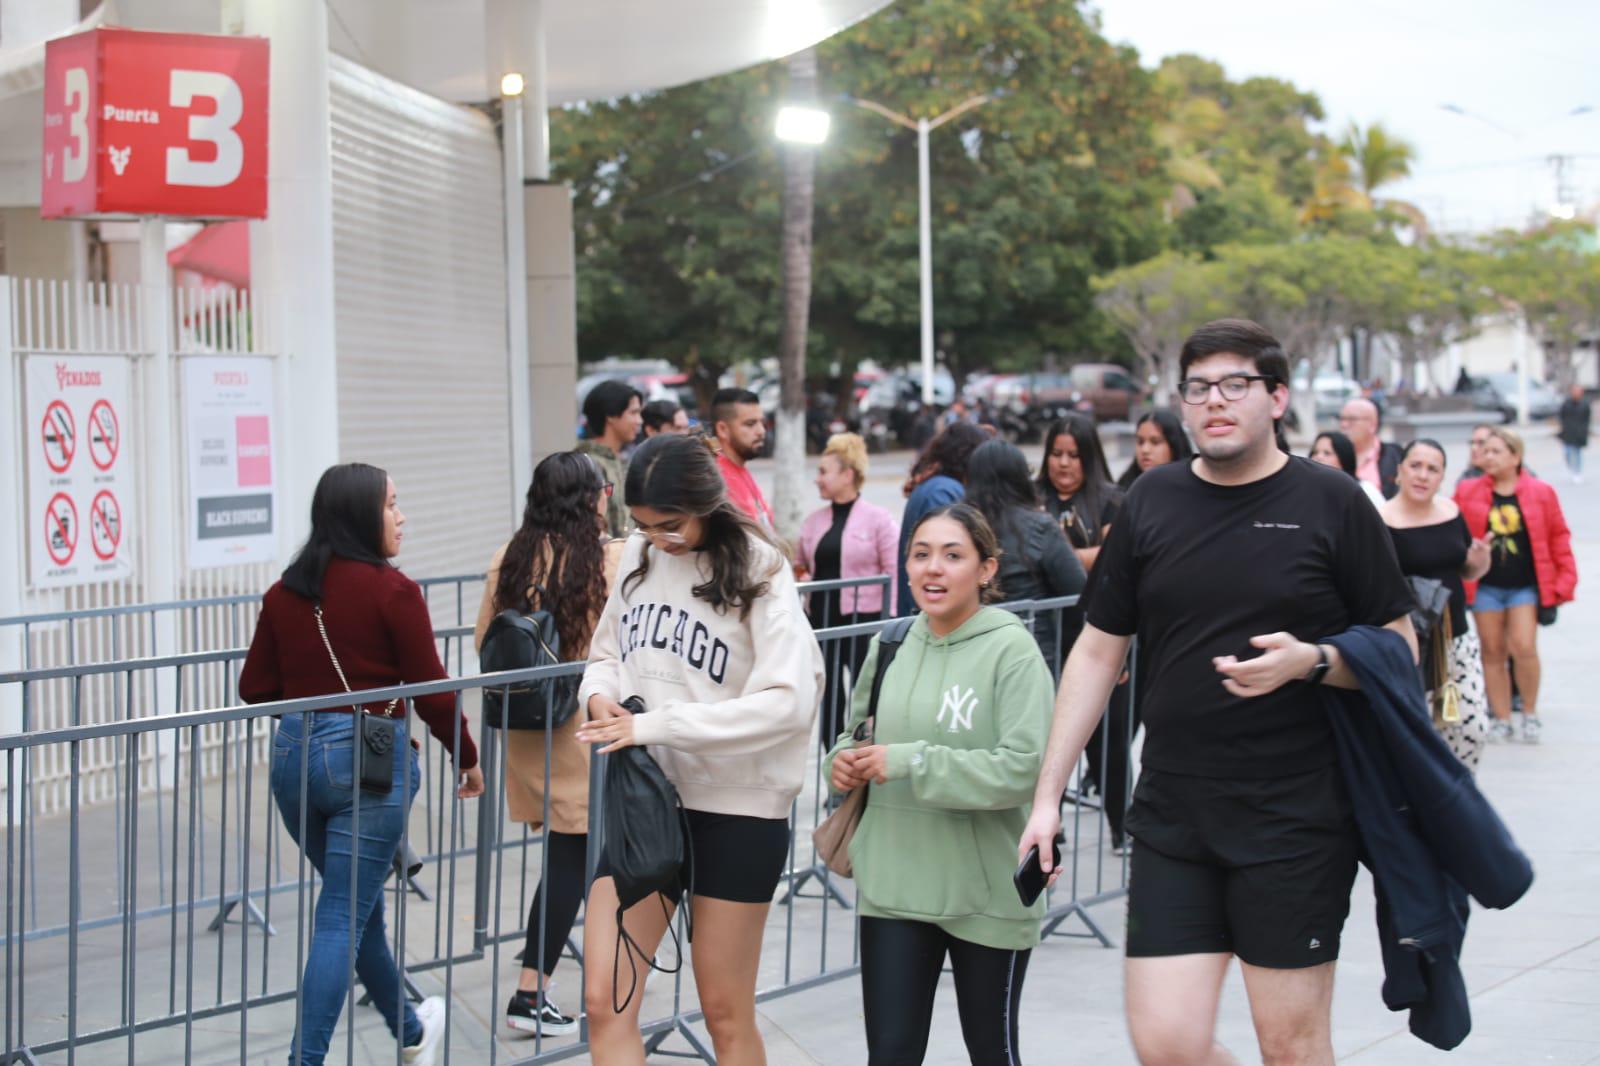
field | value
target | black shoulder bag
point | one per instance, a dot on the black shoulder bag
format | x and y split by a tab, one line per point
376	732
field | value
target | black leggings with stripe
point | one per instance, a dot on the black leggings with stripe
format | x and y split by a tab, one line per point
900	964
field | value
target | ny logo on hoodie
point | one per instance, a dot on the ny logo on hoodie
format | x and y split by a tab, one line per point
960	706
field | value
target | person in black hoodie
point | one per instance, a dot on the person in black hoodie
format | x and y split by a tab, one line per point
1036	561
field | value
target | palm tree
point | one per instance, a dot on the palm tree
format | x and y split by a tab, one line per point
1380	158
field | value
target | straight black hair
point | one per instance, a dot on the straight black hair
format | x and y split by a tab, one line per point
659	413
999	484
1341	447
608	399
1088	502
346	522
1171	427
677	473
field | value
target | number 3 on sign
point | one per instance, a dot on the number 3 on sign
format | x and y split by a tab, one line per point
216	128
75	159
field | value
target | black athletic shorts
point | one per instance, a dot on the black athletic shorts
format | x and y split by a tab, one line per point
1259	868
734	857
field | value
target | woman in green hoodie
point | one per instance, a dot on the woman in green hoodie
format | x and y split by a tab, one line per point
960	729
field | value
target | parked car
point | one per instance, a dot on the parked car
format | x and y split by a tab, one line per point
1498	392
1333	390
1107	391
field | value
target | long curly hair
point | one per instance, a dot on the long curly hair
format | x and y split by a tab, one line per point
947	453
558	548
679	474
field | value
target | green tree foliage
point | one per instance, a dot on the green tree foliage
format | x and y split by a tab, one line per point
1058	179
1552	276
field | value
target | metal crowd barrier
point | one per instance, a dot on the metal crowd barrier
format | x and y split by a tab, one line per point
219	848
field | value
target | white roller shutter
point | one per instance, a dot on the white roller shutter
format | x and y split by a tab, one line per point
420	288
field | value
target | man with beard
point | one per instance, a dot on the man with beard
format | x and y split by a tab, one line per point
1230	568
741	431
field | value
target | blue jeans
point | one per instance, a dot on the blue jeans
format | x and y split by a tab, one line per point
1574	457
330	812
1491	598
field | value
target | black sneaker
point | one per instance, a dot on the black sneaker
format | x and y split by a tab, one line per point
532	1012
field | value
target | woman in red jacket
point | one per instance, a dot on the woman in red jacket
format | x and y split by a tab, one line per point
342	618
1530	567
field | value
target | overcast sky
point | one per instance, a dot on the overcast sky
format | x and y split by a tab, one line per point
1521	67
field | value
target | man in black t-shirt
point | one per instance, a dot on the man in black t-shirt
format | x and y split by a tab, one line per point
1230	569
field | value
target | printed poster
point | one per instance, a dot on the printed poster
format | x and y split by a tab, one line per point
232	461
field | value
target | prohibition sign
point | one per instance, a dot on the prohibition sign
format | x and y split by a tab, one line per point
60	432
105	437
105	525
61	528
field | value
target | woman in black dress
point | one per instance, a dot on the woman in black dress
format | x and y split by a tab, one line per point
1432	540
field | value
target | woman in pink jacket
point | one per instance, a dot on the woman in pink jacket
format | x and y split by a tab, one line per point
847	538
1531	571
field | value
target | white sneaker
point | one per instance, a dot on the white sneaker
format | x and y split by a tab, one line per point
425	1052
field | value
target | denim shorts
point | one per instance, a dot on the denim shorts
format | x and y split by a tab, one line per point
1491	598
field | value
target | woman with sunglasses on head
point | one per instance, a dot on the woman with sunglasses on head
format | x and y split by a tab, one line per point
559	561
1531	568
1431	541
957	740
1158	439
343	619
705	626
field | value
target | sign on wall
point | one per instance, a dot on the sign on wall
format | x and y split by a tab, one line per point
80	481
139	123
232	467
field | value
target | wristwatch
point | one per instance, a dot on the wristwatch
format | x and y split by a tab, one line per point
1319	671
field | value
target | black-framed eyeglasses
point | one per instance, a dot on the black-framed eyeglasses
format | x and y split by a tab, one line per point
1196	391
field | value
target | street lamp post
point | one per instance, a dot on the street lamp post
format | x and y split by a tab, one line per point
923	127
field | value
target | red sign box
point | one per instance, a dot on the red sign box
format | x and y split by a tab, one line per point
139	123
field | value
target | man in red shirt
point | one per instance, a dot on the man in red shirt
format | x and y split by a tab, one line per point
741	431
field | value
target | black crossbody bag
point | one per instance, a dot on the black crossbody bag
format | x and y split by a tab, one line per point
376	733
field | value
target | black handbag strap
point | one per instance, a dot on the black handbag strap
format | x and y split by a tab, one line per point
890	638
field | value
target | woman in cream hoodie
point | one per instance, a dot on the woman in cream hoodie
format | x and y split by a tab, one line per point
961	723
706	627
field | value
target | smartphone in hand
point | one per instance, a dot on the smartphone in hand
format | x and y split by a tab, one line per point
1030	877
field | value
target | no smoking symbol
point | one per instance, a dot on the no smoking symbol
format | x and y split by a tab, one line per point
61	528
105	525
105	436
60	432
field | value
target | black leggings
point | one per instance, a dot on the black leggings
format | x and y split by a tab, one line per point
900	964
564	870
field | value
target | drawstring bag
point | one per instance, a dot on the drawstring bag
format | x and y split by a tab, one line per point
645	846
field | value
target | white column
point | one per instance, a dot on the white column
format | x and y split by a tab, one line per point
13	567
925	235
520	398
160	496
291	252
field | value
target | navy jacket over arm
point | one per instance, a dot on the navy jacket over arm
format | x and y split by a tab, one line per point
1428	835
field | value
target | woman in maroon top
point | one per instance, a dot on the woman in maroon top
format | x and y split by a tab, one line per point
378	627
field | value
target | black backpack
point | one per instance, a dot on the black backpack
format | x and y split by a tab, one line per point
517	641
645	845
